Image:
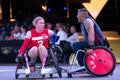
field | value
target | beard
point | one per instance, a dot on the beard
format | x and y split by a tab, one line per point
80	20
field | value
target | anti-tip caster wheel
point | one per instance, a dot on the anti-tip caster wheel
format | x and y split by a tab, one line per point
69	75
43	76
51	75
27	77
16	76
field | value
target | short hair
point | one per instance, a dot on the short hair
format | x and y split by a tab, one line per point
84	11
36	20
74	27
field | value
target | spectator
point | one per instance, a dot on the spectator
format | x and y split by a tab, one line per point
15	34
61	37
57	26
61	34
74	37
23	32
49	26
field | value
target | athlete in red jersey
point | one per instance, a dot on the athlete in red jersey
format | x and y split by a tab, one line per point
37	40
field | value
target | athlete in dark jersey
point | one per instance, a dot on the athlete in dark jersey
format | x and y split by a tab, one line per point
91	33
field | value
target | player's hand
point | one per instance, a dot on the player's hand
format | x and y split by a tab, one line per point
88	51
18	58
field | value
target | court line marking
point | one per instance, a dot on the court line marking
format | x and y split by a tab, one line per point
6	70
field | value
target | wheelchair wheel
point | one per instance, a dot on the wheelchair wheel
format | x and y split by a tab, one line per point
19	66
100	62
16	75
51	75
55	63
58	52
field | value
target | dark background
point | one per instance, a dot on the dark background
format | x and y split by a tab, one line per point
26	10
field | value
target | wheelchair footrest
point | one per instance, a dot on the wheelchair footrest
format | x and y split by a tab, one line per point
23	71
48	70
76	69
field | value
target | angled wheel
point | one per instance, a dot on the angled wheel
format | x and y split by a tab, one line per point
55	63
58	52
100	62
20	65
16	74
17	67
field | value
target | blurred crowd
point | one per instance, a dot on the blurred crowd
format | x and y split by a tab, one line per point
18	30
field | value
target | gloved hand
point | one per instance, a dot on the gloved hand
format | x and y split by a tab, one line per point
89	49
18	58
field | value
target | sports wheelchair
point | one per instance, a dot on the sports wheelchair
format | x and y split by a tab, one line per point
99	62
52	66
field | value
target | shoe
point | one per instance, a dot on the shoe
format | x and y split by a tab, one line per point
32	69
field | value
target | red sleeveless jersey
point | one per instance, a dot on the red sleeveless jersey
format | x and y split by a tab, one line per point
39	38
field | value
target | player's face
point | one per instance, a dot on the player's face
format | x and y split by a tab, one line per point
79	16
40	25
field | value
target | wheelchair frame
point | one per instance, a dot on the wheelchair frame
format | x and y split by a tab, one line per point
104	58
23	68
